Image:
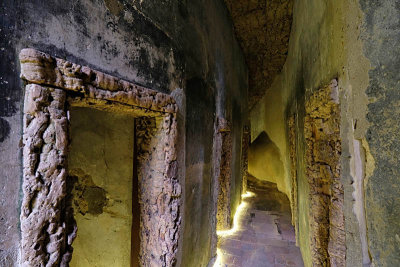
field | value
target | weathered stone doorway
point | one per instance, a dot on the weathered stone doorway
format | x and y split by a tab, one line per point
54	87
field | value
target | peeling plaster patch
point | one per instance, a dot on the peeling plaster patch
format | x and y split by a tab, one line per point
369	161
88	197
114	6
357	172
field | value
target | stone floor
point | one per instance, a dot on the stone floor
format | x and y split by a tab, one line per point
263	234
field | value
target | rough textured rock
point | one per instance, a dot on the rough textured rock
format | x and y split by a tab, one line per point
160	45
46	222
322	133
159	190
40	68
357	42
245	156
293	170
263	29
223	146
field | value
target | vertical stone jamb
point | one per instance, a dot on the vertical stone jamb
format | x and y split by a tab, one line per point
46	231
223	140
159	191
322	134
245	159
293	170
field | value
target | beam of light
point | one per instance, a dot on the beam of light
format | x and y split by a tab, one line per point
235	227
223	233
218	261
248	194
239	212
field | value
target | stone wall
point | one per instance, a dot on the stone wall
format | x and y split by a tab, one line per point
48	227
265	160
380	142
245	156
357	43
323	170
293	171
176	47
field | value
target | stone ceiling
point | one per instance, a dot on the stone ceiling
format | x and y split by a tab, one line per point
262	28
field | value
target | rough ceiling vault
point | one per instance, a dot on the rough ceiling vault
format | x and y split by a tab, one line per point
262	28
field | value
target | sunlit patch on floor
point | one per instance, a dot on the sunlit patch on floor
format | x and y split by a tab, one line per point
240	212
262	234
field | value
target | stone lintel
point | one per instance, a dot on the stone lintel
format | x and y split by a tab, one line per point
40	68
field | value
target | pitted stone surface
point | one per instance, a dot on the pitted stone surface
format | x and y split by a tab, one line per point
263	29
223	172
245	153
322	134
293	170
47	226
40	68
159	190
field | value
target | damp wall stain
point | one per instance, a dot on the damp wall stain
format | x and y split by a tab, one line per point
381	37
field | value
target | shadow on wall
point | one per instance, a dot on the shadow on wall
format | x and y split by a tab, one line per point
265	160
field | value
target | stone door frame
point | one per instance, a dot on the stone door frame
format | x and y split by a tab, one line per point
223	172
52	85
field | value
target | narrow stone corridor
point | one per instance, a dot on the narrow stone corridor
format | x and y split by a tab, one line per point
199	133
262	235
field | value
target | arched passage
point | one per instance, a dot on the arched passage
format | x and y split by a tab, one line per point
265	159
